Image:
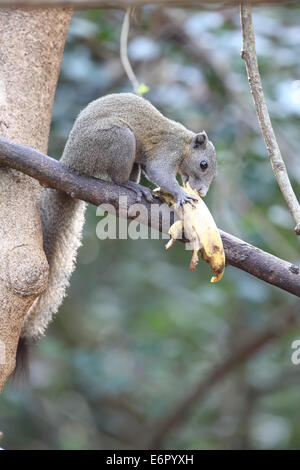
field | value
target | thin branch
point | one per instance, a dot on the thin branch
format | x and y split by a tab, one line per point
244	352
82	4
124	51
249	55
51	173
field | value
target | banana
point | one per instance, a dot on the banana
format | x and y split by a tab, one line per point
198	226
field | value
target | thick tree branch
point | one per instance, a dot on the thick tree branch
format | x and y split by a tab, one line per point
51	173
81	4
249	55
246	350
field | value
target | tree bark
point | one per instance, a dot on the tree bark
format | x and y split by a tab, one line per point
53	174
31	47
81	4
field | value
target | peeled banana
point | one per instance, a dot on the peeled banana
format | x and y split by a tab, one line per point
198	226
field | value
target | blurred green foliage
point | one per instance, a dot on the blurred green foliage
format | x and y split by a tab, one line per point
137	329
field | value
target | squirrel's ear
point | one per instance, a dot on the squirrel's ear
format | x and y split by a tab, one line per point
200	140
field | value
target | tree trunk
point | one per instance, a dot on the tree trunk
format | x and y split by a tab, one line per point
31	47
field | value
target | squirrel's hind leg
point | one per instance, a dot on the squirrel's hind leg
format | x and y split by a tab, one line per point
134	185
125	171
135	174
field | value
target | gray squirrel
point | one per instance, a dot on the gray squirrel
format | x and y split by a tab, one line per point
116	136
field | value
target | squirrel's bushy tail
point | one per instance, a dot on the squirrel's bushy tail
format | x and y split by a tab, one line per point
63	219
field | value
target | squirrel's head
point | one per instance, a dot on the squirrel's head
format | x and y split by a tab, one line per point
200	165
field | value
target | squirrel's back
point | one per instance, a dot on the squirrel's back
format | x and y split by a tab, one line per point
94	129
128	107
134	112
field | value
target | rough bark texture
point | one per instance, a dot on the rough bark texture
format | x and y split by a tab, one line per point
53	174
31	47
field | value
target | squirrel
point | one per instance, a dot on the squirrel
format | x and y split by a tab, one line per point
117	136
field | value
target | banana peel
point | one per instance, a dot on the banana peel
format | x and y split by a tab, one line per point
198	226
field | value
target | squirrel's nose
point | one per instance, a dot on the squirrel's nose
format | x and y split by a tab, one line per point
202	192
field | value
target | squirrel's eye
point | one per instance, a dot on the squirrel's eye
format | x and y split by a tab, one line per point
203	165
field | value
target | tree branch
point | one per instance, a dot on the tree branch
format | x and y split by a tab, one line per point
244	352
82	4
51	173
249	55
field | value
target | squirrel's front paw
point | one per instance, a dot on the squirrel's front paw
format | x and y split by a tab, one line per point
184	197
